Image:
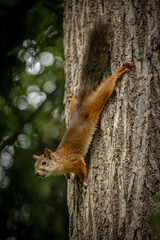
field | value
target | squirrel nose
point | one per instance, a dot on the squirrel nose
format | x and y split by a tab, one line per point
37	174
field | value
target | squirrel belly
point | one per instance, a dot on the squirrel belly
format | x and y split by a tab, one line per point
85	109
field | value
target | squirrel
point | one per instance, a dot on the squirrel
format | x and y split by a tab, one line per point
84	109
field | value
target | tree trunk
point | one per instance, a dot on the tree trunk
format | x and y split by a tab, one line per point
122	162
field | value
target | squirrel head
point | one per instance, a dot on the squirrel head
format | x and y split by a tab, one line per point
46	164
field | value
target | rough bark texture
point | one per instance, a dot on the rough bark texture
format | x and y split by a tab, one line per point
123	159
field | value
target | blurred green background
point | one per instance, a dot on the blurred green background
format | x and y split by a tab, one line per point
31	118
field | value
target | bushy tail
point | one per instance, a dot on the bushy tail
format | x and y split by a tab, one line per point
95	60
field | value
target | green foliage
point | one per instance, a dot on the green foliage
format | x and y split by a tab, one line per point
32	118
154	219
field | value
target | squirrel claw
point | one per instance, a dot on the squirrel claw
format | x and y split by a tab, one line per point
128	64
84	187
70	95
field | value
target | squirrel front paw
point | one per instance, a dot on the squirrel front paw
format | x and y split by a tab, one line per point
128	64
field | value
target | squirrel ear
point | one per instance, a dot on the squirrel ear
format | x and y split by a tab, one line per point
35	157
47	152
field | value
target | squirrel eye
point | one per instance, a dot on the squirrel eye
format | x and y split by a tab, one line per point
44	163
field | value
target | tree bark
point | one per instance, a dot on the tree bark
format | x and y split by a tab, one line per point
123	159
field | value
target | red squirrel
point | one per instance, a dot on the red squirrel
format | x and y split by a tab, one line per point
85	109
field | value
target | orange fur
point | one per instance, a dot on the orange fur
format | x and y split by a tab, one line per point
77	138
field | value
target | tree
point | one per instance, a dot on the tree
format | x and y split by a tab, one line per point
122	162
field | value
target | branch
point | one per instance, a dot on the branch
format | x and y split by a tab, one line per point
12	139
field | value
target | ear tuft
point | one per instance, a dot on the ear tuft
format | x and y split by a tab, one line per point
35	157
47	152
